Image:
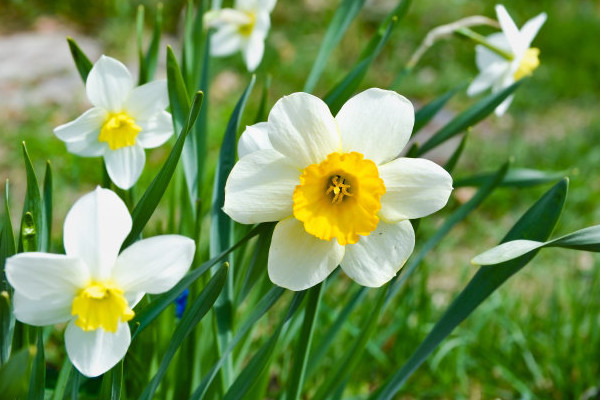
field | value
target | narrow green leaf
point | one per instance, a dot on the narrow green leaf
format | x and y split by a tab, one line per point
191	318
344	15
201	129
257	262
14	374
82	62
37	380
515	177
160	302
147	204
139	35
221	227
6	319
469	117
46	237
261	359
63	379
7	239
263	112
112	383
460	214
453	160
149	61
304	342
587	239
352	356
536	224
258	311
33	206
428	111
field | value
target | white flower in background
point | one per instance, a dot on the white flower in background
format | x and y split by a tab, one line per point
498	72
336	187
124	120
93	287
242	28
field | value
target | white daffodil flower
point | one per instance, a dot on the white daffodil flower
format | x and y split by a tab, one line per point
243	28
497	71
336	186
123	122
93	287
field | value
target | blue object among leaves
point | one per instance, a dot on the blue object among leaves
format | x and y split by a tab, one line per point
181	303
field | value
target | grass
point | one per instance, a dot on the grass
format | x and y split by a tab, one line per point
538	337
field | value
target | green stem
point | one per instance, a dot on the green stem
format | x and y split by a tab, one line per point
479	39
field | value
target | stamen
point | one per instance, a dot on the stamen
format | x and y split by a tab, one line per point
339	187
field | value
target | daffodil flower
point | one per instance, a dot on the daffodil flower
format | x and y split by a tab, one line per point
498	71
242	28
94	288
336	186
123	122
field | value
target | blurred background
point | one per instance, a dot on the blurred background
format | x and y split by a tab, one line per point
537	337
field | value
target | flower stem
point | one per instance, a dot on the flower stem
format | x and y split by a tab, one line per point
479	39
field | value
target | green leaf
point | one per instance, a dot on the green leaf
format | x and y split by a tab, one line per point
427	112
257	263
15	373
344	15
7	240
352	356
469	117
33	225
191	318
46	237
6	318
63	379
221	226
516	177
82	62
459	215
263	113
536	224
145	207
148	62
304	342
37	380
453	160
261	359
258	311
112	383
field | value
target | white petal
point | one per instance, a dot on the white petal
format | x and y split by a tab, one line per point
302	128
95	352
414	188
508	28
252	51
147	100
487	78
88	146
95	229
255	137
42	311
87	123
485	57
108	84
260	188
376	123
375	259
155	131
506	251
125	165
501	109
530	30
225	41
298	260
36	275
266	5
154	265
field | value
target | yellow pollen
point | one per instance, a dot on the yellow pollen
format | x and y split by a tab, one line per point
247	28
339	189
339	198
529	63
101	305
119	130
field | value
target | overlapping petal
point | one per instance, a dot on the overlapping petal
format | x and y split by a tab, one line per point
225	41
108	84
252	51
298	260
531	29
125	165
95	229
488	77
95	352
42	311
302	128
260	188
376	123
255	137
375	259
143	102
155	131
415	187
154	265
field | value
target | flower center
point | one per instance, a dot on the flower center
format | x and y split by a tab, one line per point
101	305
119	130
339	198
529	63
247	28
